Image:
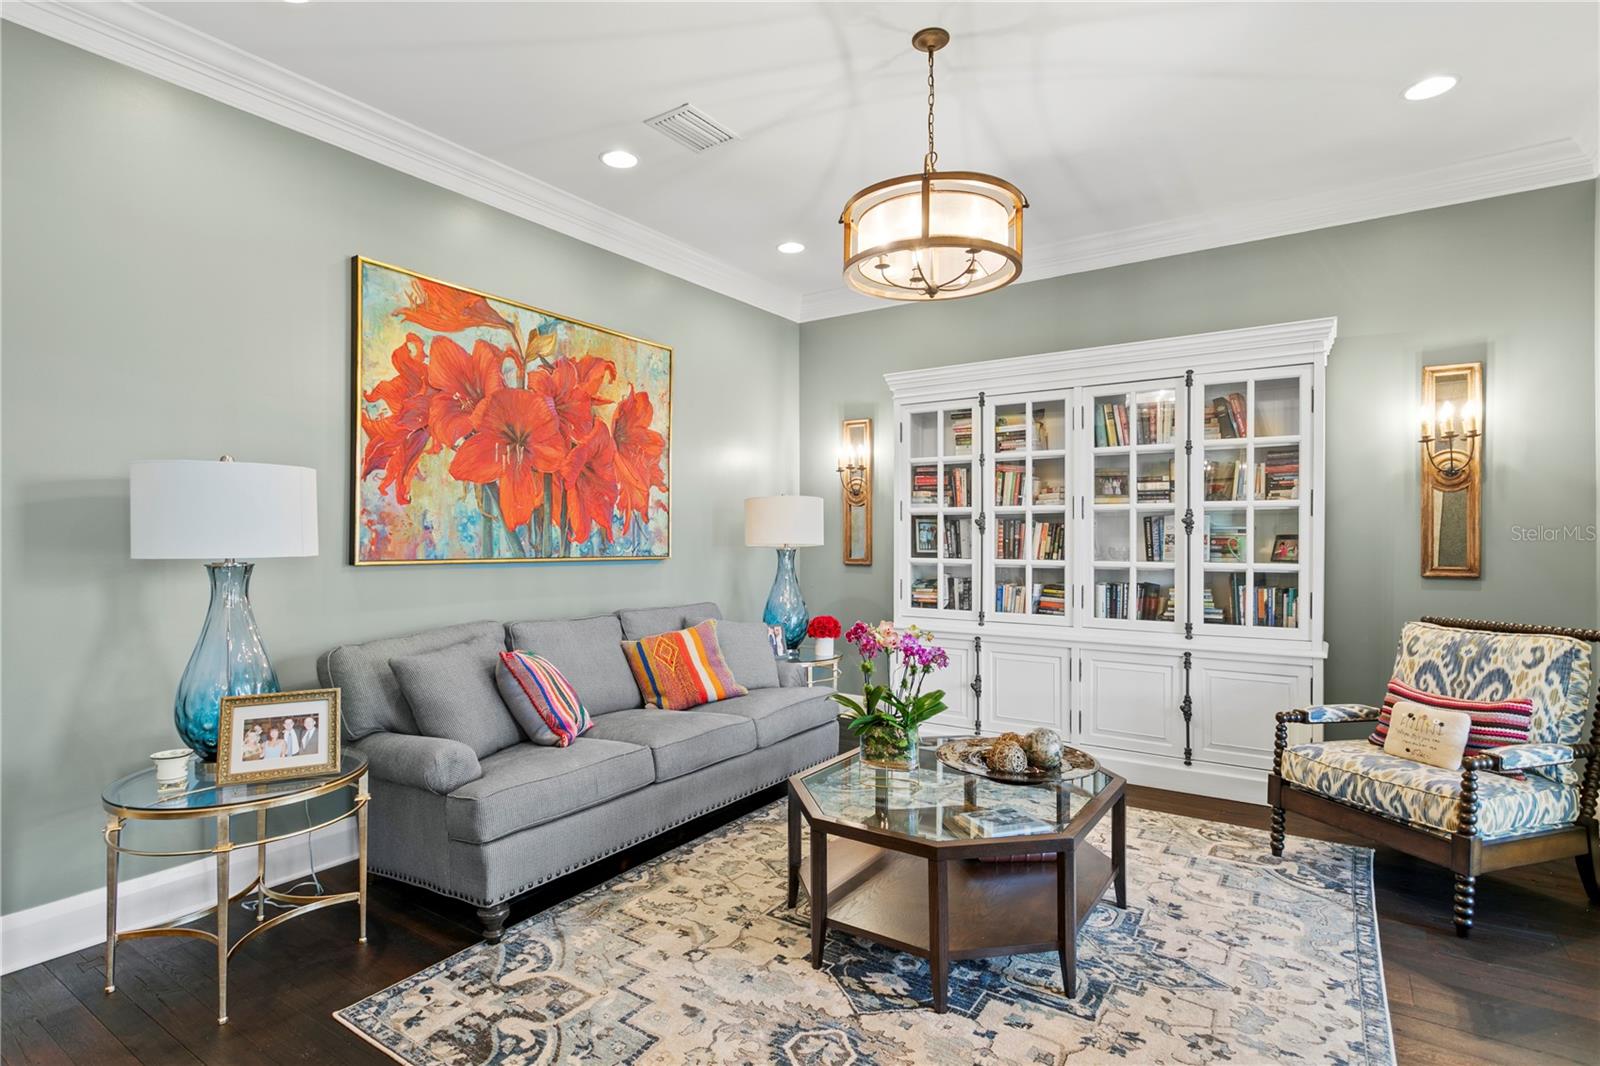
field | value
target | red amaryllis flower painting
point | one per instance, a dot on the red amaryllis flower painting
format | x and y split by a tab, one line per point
489	430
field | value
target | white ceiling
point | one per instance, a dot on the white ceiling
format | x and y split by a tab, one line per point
1135	130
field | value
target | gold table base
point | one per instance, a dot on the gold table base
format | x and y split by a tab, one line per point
222	851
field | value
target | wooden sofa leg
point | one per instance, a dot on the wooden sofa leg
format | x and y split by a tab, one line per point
1279	830
1466	895
1589	865
494	921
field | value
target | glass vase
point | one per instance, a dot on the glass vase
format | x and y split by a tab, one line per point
229	659
890	747
786	608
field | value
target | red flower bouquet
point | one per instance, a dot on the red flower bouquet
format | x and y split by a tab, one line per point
824	626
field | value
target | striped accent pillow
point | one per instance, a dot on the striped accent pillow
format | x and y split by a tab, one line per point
681	669
1493	724
540	699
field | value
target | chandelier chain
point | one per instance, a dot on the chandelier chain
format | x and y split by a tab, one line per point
932	157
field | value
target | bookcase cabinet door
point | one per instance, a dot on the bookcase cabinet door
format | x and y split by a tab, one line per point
1235	704
1024	687
956	682
937	467
1130	700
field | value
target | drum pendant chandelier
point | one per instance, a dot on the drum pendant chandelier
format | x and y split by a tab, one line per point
935	235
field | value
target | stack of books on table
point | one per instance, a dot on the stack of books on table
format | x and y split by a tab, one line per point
1004	821
961	430
1110	424
1008	537
1278	474
924	484
1160	538
1008	482
1110	486
1010	433
957	486
958	594
1049	599
925	592
1050	539
1225	417
1111	599
1157	420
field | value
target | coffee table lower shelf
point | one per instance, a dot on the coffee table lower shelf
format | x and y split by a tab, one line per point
998	908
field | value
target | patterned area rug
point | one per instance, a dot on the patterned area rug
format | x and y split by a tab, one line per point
1224	954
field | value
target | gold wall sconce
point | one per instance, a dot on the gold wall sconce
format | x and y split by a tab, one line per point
855	484
1452	470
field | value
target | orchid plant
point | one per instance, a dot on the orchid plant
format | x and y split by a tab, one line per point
894	711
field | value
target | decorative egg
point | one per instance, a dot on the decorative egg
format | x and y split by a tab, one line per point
1007	758
1043	748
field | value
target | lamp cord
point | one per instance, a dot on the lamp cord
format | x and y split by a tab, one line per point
314	881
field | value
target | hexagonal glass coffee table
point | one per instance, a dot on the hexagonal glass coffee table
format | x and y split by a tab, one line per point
900	858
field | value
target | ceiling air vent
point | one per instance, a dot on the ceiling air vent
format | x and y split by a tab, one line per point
691	127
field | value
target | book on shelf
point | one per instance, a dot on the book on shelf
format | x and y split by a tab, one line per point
1110	486
1224	479
1156	602
1158	420
1008	537
957	538
1111	599
925	592
1225	544
1010	433
1049	598
1048	492
1225	417
1050	540
958	593
924	485
1110	424
1002	821
957	486
1222	599
1155	486
1160	538
961	430
1277	606
1278	473
1010	597
1009	479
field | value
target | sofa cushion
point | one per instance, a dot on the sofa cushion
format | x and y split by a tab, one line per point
647	621
681	741
371	700
780	713
1470	664
453	695
540	699
748	650
681	669
528	785
1353	772
588	652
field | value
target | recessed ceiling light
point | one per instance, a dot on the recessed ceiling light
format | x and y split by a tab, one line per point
1428	88
296	1
791	247
619	159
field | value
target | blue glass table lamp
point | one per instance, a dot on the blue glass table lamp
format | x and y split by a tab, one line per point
221	511
784	523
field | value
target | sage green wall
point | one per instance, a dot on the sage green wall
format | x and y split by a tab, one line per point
177	284
1510	281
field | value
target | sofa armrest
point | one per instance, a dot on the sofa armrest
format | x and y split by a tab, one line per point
1533	756
1330	713
791	675
438	765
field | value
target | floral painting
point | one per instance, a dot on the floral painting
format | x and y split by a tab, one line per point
491	431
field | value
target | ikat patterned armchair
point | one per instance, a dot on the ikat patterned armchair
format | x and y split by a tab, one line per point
1472	820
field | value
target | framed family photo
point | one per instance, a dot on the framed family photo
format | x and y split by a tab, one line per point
278	735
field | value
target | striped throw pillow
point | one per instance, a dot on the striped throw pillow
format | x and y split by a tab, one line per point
1493	724
540	699
681	669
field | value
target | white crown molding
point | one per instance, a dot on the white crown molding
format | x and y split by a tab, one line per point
135	36
1535	167
63	926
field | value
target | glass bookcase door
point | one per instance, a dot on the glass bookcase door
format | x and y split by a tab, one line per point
940	457
1029	508
1250	507
1133	439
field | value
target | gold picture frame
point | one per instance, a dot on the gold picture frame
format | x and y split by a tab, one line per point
275	752
1452	477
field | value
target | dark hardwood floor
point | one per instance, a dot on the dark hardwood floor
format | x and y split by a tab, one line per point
1522	989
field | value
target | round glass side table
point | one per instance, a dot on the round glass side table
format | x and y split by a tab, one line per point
137	798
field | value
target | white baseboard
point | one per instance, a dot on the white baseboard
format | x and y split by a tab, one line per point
51	930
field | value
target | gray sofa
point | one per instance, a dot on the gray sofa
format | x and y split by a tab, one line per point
485	829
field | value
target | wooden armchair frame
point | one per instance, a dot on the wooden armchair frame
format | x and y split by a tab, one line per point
1465	853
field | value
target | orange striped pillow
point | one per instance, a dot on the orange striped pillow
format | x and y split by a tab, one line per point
681	669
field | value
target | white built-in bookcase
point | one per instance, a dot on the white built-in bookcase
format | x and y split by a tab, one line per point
1123	543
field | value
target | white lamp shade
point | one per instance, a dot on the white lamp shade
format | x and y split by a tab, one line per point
783	521
203	509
